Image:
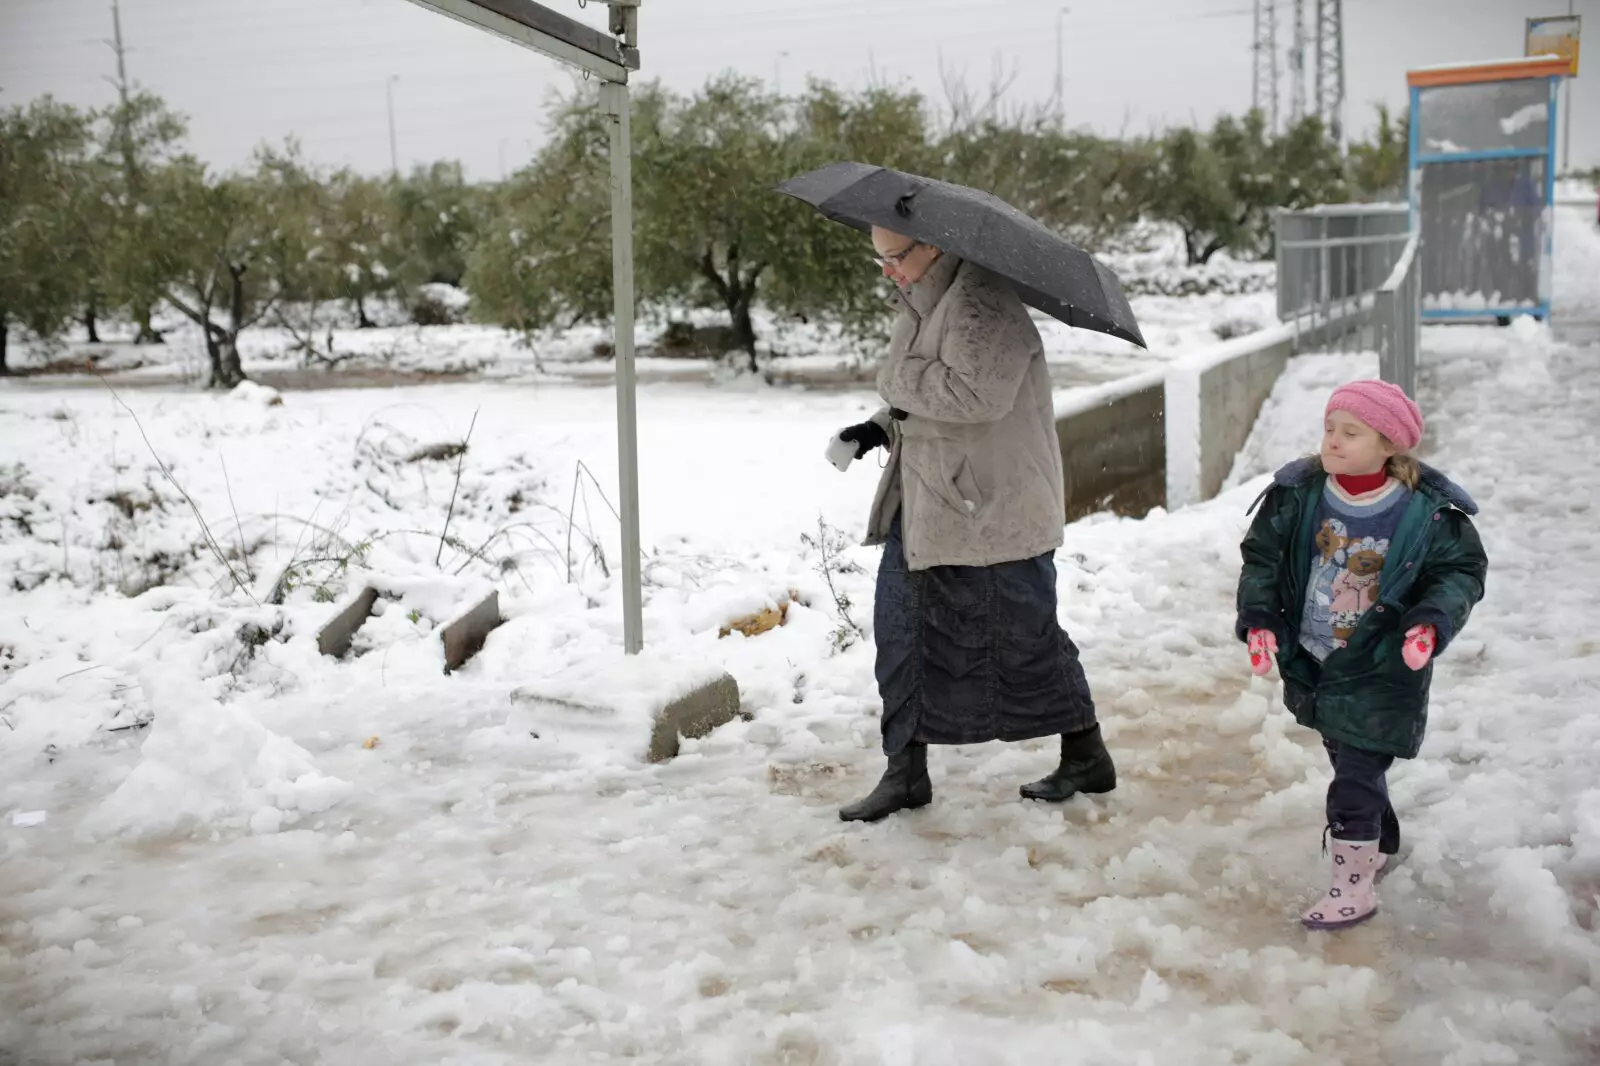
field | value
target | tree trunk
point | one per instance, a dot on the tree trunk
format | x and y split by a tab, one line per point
362	321
91	322
147	333
222	350
744	330
5	331
738	292
228	372
213	359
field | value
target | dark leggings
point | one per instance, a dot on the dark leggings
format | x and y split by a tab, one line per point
1358	798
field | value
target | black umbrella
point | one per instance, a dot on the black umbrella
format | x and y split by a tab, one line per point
1058	278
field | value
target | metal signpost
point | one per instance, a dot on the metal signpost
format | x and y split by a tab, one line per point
1558	35
608	58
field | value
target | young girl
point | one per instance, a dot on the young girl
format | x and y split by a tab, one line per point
1360	569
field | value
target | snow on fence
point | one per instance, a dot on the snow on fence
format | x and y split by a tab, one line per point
1397	320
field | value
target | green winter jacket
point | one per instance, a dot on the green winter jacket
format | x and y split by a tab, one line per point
1362	694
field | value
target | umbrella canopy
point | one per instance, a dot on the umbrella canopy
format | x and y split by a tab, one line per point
1058	278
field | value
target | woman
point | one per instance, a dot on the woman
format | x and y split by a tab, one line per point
969	512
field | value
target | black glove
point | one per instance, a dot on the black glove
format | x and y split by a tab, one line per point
865	436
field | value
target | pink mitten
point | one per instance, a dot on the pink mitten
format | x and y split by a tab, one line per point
1419	645
1263	647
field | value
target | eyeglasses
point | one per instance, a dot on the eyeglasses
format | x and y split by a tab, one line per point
897	257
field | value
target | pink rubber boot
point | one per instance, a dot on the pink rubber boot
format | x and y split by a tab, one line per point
1351	899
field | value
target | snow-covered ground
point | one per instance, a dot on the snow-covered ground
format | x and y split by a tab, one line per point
1580	192
218	847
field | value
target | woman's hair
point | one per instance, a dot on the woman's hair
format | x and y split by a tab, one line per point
1402	467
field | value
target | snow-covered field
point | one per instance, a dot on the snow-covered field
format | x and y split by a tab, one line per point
217	846
791	352
1180	308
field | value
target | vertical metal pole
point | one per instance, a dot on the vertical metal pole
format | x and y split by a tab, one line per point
614	101
1414	310
1061	85
1297	65
1566	132
1566	121
1255	64
1352	299
122	70
1335	301
394	156
1348	299
1279	252
1546	225
1405	325
1325	289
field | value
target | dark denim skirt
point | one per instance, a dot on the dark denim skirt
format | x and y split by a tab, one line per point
968	654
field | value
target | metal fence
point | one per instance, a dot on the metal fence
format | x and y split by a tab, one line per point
1333	256
1349	274
1397	320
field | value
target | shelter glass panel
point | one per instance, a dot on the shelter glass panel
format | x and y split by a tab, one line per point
1486	117
1483	234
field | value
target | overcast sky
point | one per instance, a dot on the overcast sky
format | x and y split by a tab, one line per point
318	69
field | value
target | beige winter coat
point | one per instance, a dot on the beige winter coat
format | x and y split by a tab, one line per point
975	467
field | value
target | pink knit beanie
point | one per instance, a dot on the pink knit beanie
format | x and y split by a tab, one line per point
1384	407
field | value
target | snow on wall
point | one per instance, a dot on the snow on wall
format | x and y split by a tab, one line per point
1069	402
1290	423
1184	446
1185	412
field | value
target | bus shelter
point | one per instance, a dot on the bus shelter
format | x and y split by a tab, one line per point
1483	170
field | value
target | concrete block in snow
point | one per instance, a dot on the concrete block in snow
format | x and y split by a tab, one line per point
641	704
464	637
334	638
694	715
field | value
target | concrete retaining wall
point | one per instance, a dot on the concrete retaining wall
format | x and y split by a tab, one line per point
1113	447
1168	438
1212	398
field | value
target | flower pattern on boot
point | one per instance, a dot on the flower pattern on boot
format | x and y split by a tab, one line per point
1351	898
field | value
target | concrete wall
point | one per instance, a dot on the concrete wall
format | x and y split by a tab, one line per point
1114	447
1168	438
1231	397
1214	396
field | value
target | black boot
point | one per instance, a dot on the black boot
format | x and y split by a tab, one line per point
1085	767
904	786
